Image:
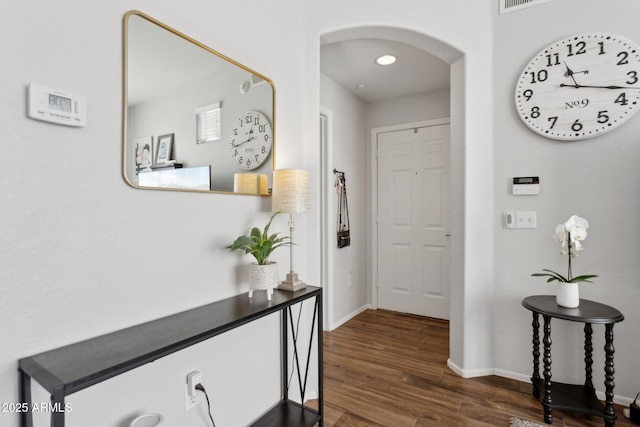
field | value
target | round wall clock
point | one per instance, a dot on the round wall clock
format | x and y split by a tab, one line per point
580	87
250	141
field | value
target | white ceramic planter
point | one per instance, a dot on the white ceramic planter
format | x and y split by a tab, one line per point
263	277
568	295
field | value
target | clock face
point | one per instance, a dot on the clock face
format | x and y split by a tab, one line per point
250	141
580	87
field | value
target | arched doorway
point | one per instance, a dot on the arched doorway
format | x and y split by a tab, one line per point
455	59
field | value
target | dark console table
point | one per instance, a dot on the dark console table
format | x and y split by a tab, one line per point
579	398
69	369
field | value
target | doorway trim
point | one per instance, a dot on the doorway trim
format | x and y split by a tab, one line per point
326	207
374	192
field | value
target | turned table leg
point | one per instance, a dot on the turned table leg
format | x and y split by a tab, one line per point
609	413
535	379
546	399
588	356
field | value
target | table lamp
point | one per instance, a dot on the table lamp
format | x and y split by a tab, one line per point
290	195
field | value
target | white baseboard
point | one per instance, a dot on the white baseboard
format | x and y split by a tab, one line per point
469	373
311	395
349	317
472	373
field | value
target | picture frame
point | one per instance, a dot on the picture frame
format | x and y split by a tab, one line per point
143	154
163	151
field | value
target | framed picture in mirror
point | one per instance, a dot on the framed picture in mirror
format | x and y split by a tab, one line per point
163	153
143	151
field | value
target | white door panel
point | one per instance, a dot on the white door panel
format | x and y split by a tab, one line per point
413	221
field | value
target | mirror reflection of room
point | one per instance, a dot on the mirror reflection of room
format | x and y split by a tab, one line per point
194	119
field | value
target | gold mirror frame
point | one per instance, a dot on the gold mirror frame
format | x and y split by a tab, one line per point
128	156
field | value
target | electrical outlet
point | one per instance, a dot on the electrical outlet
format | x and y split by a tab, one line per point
350	278
191	395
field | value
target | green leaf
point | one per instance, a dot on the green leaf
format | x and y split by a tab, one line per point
584	278
552	276
259	243
255	233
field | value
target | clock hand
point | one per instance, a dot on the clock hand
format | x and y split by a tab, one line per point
577	86
243	142
570	73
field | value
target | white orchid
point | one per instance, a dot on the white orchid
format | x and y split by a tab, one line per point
577	229
561	235
569	235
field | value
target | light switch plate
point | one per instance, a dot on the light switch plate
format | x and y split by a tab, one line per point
526	219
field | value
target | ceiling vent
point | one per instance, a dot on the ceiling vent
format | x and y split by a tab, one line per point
507	6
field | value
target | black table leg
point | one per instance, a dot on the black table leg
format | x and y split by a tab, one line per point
588	356
319	327
285	354
57	415
26	416
535	379
609	413
546	400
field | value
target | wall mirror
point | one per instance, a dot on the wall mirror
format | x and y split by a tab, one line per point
193	119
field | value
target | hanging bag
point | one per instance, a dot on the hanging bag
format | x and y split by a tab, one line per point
344	235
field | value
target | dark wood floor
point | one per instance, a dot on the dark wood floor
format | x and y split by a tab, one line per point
389	369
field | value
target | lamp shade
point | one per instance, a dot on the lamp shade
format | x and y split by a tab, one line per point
290	191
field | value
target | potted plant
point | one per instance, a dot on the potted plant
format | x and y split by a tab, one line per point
263	274
569	235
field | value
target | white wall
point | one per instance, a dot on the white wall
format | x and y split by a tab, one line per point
349	148
83	253
408	109
594	178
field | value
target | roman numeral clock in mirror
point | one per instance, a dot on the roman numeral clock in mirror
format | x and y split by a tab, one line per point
580	87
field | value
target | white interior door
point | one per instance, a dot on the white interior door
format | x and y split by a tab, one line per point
414	221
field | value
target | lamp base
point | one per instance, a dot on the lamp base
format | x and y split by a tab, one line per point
292	283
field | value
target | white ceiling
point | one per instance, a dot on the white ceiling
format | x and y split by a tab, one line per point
351	62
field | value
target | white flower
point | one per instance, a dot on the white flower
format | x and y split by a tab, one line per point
577	229
561	235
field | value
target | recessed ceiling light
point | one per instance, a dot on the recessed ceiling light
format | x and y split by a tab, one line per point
385	60
361	85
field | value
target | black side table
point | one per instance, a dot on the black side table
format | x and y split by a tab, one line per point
579	398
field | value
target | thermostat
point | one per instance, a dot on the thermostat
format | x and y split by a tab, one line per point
526	186
55	106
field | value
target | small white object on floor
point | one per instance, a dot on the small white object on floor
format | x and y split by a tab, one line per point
147	420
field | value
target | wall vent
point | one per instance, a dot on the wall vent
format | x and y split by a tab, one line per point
507	6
